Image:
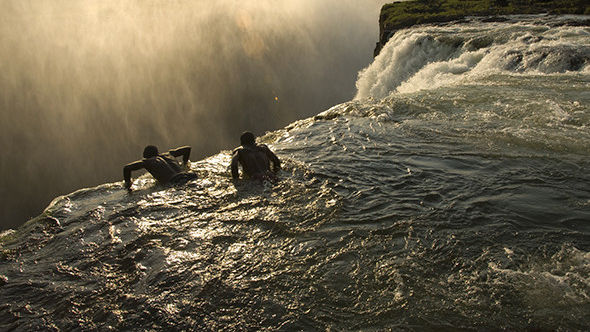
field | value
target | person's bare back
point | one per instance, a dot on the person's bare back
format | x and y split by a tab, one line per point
255	160
163	167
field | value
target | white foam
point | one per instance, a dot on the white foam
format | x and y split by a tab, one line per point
442	73
399	60
432	57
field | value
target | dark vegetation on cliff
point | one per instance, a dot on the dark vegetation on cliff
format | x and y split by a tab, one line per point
399	15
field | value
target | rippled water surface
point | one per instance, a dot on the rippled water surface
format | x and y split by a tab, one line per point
465	205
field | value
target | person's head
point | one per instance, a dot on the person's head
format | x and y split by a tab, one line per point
150	151
247	138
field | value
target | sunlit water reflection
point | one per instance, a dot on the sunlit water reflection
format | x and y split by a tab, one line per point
465	206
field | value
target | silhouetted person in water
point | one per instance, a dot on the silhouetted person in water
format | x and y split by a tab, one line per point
255	160
163	167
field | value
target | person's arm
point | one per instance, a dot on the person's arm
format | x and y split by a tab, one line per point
273	157
234	165
184	151
127	172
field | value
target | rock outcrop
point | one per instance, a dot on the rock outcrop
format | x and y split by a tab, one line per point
401	15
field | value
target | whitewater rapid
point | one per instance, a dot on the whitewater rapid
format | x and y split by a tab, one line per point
451	193
432	57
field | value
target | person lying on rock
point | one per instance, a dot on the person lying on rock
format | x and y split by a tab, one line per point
162	166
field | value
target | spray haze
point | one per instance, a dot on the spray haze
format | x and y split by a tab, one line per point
85	85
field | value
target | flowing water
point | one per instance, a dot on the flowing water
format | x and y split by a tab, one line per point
451	193
85	85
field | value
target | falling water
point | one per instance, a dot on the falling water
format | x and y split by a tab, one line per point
455	198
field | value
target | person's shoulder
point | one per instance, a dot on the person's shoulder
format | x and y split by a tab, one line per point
263	147
165	155
135	165
237	150
152	160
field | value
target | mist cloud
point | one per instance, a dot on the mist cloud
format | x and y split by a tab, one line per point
86	84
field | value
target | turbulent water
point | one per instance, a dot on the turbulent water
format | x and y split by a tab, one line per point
452	193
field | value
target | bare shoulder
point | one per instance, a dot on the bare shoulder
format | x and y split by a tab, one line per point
185	147
266	149
135	164
180	151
